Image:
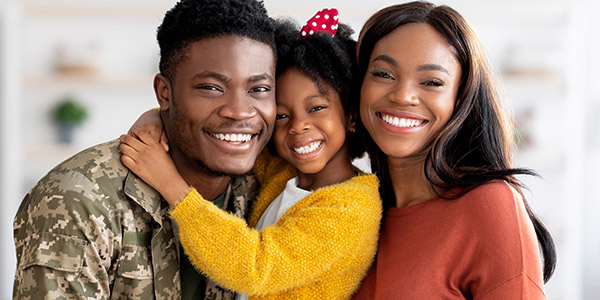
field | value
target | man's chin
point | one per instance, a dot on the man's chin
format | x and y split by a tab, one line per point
224	170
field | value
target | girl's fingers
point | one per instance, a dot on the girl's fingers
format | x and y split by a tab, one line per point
146	137
131	141
164	141
127	150
127	161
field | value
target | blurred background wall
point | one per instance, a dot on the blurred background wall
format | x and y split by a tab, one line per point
103	55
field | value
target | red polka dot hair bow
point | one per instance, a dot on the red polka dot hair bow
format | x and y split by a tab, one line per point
326	20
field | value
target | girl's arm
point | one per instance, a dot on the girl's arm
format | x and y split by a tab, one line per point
333	231
151	122
149	160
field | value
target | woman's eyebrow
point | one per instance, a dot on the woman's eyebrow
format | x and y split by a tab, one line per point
386	59
432	67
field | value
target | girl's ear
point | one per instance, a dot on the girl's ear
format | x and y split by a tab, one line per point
351	123
162	89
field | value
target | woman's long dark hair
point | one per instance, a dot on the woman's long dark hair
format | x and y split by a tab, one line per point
476	145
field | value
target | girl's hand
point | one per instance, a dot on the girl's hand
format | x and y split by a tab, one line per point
148	160
151	122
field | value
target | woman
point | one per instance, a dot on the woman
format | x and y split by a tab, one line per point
456	225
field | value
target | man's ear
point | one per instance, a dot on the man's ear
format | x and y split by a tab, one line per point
162	89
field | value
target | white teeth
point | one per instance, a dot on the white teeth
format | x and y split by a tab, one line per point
308	149
232	137
400	122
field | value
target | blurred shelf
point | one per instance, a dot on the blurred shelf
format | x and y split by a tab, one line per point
88	81
539	159
38	159
534	87
71	8
36	153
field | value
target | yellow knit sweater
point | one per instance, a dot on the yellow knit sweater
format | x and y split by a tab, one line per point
321	248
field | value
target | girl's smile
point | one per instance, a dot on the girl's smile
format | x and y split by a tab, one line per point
310	127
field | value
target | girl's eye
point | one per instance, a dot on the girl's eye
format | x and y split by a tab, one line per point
280	116
317	108
382	74
260	89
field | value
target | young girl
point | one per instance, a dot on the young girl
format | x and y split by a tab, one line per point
456	225
314	226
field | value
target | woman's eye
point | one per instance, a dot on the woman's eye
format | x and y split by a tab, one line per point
280	116
433	83
382	74
317	108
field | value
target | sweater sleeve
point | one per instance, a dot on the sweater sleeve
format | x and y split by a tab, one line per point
519	287
268	165
507	263
309	242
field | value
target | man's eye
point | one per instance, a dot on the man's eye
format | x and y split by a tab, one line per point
209	88
260	89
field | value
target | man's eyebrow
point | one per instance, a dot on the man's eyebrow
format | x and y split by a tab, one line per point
433	67
386	59
263	76
215	75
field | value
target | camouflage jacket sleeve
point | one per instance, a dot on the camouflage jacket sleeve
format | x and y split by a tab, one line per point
56	231
67	231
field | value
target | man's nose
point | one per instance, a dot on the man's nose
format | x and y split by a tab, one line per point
238	106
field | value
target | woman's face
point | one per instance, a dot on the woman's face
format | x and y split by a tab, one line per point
409	90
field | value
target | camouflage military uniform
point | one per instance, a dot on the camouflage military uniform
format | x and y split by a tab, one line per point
91	229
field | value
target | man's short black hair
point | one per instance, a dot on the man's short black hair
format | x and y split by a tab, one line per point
194	20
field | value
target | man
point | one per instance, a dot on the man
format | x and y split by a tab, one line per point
91	229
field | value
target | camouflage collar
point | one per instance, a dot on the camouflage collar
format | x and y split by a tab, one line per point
146	196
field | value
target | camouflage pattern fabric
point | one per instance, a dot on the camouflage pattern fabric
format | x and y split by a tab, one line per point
242	190
91	229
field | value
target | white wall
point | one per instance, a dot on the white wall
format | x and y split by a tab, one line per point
10	171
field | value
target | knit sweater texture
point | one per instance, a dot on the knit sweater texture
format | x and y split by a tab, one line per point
320	248
479	246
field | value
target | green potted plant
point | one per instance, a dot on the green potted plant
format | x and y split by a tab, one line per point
68	114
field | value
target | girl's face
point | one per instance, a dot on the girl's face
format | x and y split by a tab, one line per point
310	127
409	90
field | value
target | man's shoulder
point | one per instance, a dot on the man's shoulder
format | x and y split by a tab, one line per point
85	188
105	158
95	173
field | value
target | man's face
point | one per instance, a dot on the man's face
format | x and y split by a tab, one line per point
222	106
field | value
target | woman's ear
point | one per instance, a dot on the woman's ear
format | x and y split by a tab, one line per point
162	89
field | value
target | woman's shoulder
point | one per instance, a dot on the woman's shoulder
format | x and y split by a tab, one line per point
491	197
498	225
495	208
492	188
